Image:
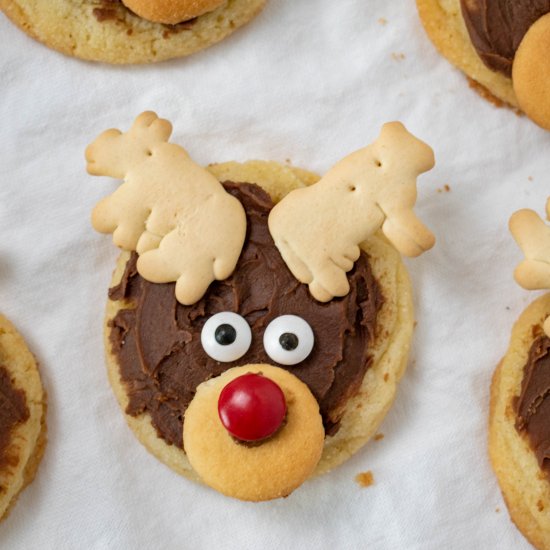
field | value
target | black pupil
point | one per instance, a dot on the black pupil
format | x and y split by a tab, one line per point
289	341
225	335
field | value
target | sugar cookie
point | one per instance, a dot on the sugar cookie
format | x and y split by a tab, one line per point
341	358
107	31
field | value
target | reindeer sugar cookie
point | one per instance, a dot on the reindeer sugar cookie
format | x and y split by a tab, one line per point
247	349
130	31
22	416
501	45
519	426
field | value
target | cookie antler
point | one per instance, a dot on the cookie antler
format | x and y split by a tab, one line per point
114	153
318	229
174	213
533	237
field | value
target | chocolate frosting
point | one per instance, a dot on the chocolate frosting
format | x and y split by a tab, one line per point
497	27
157	340
533	405
13	411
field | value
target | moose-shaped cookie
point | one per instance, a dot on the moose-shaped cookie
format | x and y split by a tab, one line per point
370	189
246	377
533	237
175	214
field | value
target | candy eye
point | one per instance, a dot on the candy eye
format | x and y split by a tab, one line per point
288	339
226	337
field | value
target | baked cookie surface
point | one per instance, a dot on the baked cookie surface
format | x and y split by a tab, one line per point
389	349
105	30
22	416
524	483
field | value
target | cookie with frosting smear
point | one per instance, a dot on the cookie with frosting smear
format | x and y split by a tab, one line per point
22	416
501	45
519	426
130	31
251	340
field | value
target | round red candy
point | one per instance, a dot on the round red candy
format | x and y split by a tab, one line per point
252	407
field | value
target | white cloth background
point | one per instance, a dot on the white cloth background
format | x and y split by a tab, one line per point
306	81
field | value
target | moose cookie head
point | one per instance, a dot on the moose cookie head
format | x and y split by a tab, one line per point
250	370
533	237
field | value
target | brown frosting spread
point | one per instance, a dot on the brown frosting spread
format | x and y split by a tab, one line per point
13	411
533	404
497	27
157	341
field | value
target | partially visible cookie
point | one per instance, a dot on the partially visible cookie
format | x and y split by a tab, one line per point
499	45
531	72
106	30
524	484
519	425
22	416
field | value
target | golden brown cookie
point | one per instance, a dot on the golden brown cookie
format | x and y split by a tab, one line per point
171	12
531	72
365	410
444	23
525	487
262	472
22	416
105	30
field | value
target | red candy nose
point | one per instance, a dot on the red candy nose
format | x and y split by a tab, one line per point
252	407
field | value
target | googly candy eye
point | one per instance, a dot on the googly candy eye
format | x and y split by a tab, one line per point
226	336
288	339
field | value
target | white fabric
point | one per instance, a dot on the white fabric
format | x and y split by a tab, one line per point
310	82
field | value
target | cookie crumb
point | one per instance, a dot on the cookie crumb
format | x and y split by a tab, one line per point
540	506
497	510
447	187
378	437
398	56
530	178
364	479
382	21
